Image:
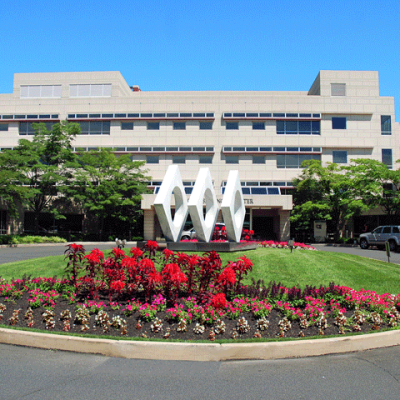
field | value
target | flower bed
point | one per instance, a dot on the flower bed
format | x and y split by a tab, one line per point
177	296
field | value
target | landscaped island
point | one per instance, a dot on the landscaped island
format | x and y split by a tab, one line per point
166	295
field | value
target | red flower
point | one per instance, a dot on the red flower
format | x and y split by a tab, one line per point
251	232
118	286
136	252
168	254
218	301
151	246
118	253
227	277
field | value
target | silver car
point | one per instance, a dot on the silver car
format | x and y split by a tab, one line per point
380	235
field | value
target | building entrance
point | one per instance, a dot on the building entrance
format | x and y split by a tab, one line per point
263	228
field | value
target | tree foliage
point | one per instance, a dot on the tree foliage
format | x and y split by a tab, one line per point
35	172
324	193
108	185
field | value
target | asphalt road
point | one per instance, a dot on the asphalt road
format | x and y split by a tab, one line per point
34	374
11	254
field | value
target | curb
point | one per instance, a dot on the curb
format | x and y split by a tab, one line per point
201	351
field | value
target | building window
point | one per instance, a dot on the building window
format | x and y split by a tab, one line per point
232	159
298	127
3	127
95	127
205	125
294	160
152	159
232	125
339	157
90	90
126	126
258	125
178	159
338	89
258	160
387	158
35	91
339	122
153	126
205	159
386	124
26	128
179	126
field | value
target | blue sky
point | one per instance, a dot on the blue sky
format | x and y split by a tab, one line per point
204	45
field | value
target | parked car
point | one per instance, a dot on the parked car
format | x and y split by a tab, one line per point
380	235
191	233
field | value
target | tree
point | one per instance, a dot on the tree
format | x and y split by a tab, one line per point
108	185
324	193
375	184
36	172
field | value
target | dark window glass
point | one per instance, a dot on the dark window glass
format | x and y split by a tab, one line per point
158	148
386	124
279	115
387	158
152	159
172	115
159	115
258	190
280	127
172	148
239	149
179	126
178	159
146	115
133	115
210	115
199	149
120	115
205	160
95	115
338	122
316	127
245	190
305	115
291	127
305	127
251	148
291	115
199	115
185	115
232	125
258	160
240	115
265	148
153	126
273	191
232	159
252	115
339	157
3	127
206	125
258	125
126	126
265	115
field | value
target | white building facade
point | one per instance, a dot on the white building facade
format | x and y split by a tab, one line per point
265	135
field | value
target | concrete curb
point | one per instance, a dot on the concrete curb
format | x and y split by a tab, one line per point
201	351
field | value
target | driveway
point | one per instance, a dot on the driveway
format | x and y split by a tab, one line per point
373	253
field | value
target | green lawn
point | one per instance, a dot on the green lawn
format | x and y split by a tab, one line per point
302	267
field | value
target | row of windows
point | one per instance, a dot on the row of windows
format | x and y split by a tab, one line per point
143	115
26	128
204	125
29	116
253	149
179	159
270	115
340	157
157	149
284	127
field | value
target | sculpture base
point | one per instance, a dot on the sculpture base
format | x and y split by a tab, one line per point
219	247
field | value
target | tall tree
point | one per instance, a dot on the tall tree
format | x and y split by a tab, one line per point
324	193
108	185
35	172
375	184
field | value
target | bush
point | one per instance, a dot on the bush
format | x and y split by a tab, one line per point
16	239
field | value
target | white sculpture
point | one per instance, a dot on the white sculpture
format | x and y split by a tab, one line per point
232	207
233	210
203	189
172	184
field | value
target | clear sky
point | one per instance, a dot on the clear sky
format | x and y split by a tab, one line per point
204	45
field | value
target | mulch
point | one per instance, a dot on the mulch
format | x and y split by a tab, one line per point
133	331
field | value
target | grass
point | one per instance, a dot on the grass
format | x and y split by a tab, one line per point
301	268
